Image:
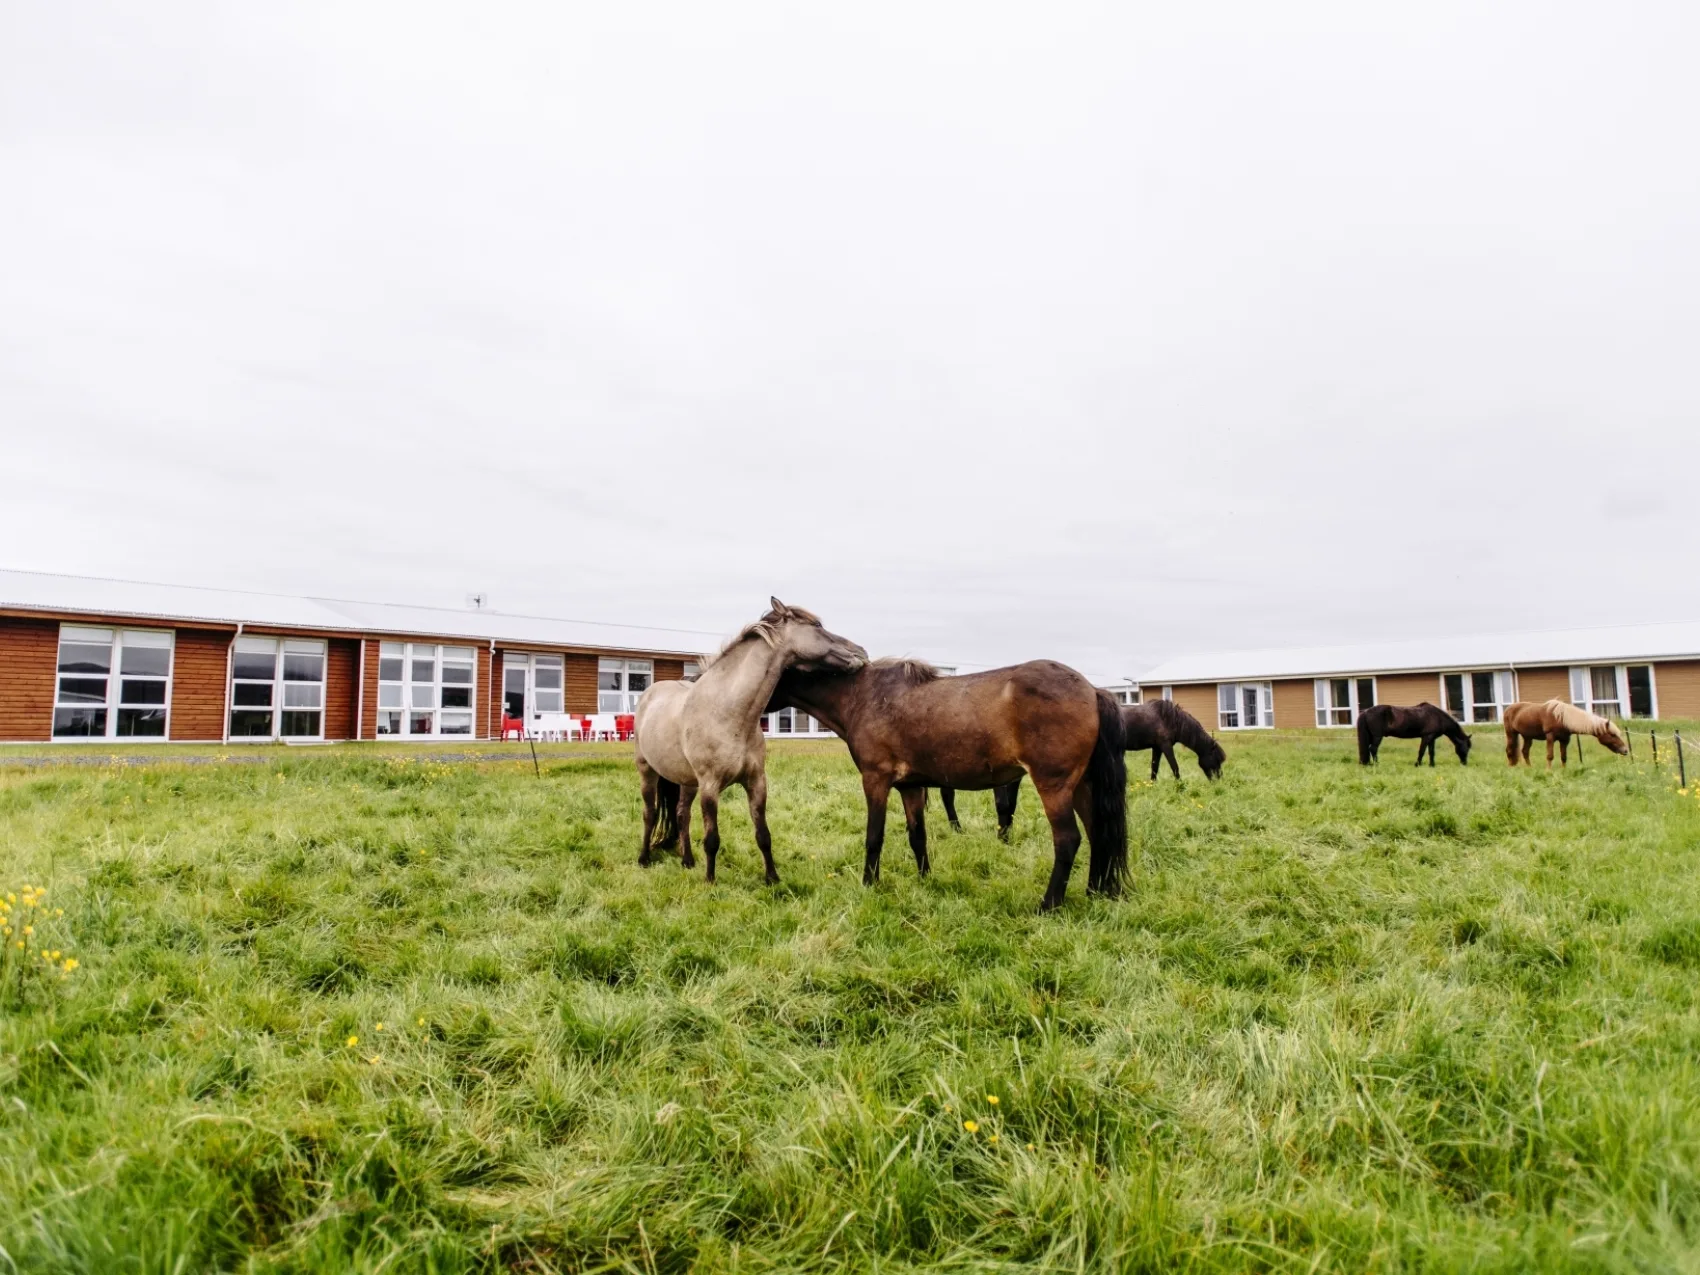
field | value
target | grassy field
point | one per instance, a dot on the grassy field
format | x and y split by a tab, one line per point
354	1012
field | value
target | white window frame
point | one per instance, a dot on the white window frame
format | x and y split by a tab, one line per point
783	725
692	670
621	698
409	697
529	664
279	648
1266	705
1652	688
1582	689
1328	712
114	677
1504	684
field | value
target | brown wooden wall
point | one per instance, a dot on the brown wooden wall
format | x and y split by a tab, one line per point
581	683
669	670
369	691
1408	689
1676	684
1295	702
29	655
342	676
1537	685
199	666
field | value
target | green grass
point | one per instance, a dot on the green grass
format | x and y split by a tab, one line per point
1413	1020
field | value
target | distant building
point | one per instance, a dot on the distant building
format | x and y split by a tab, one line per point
86	659
1648	671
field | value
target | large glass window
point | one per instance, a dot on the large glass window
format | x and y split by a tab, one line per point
620	682
532	684
277	688
1479	696
1245	705
1339	700
425	690
1611	689
112	684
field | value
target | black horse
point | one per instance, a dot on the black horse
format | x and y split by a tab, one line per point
1157	724
1423	721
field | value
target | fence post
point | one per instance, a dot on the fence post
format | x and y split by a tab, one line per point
1681	766
1655	737
1629	742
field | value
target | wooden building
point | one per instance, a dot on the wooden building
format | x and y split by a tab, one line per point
85	659
1647	671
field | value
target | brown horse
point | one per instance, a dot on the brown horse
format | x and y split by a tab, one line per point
1423	722
1158	724
1556	721
910	729
705	735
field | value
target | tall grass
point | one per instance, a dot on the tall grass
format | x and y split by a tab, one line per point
351	1012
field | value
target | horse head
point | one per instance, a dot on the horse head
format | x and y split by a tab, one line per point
1613	739
808	646
1211	755
1461	742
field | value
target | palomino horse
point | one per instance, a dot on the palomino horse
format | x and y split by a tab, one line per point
1157	724
910	729
696	738
1556	720
1422	721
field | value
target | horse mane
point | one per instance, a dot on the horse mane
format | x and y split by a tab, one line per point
1182	726
766	628
910	672
1579	721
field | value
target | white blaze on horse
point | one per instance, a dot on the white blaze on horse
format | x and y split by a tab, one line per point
694	739
1556	721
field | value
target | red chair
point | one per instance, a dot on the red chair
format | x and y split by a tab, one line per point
625	725
513	724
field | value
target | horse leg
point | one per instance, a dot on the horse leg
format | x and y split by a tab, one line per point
1511	738
1430	742
1169	753
1550	738
877	790
1421	744
687	797
1003	797
756	791
1564	750
650	782
709	796
948	797
915	819
1065	842
1156	760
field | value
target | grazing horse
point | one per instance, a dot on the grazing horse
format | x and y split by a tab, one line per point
696	738
1157	724
1556	720
910	729
1423	721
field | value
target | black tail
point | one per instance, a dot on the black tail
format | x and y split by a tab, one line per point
667	817
1106	772
1364	740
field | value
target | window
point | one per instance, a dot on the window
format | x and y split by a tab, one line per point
1126	696
1641	702
620	682
426	690
791	721
1608	689
693	670
112	684
531	681
1478	696
1339	700
277	688
1245	705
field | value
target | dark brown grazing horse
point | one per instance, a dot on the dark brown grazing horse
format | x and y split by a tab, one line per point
1156	724
910	729
1423	721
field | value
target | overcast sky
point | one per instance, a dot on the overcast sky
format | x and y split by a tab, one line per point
1102	333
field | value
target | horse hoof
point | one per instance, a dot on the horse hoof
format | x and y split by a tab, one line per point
772	878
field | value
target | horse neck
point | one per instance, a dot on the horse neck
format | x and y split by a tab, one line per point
829	698
1188	730
748	674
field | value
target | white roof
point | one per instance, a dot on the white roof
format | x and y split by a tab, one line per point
1611	645
131	599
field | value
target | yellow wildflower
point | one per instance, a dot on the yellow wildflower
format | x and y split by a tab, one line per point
353	1041
422	1022
992	1098
380	1027
992	1138
29	929
971	1126
70	964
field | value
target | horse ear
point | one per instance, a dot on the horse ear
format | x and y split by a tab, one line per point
779	608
